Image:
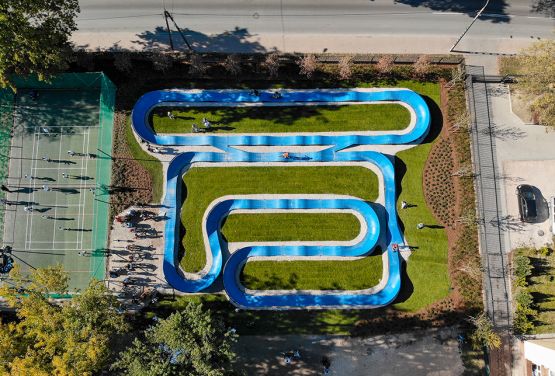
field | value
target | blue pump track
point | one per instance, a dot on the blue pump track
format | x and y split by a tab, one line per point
387	227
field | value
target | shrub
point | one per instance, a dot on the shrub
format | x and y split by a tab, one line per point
385	64
122	62
521	320
160	61
346	67
232	64
85	60
422	66
197	67
522	269
307	65
484	335
271	64
523	298
544	251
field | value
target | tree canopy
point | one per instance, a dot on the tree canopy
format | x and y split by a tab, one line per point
537	66
189	342
57	338
34	36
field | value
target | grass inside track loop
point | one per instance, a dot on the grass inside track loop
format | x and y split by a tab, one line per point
313	275
281	119
290	227
204	185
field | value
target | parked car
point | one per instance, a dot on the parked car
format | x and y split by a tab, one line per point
527	203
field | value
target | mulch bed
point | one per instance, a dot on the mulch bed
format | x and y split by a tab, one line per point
126	171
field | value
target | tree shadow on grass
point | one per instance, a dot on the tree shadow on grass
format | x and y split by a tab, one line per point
436	120
222	118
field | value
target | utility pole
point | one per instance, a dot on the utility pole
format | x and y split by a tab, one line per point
168	15
469	26
169	30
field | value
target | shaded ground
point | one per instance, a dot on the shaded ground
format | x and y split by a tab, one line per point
426	352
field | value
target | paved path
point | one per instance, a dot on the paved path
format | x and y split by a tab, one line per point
492	240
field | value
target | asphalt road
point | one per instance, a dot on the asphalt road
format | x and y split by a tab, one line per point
314	25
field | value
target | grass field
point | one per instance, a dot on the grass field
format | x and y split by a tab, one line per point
363	117
203	185
427	266
314	275
290	226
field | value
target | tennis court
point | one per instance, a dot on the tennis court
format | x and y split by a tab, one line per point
57	207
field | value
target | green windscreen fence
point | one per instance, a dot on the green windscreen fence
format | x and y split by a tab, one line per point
69	101
103	176
6	123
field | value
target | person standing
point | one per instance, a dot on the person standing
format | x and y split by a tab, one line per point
4	188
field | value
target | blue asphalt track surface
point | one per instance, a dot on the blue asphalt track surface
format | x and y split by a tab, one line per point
387	227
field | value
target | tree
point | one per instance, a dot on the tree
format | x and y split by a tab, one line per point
385	64
522	269
271	64
232	64
161	61
537	67
346	67
34	37
483	334
190	342
69	338
307	65
422	66
197	67
122	61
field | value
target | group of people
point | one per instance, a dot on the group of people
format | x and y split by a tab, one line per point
207	125
289	356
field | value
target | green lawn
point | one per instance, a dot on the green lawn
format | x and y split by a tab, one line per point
338	118
314	275
427	266
203	185
290	226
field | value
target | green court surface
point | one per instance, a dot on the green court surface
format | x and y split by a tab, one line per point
68	192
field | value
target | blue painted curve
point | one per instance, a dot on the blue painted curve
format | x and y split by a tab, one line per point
390	227
151	100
